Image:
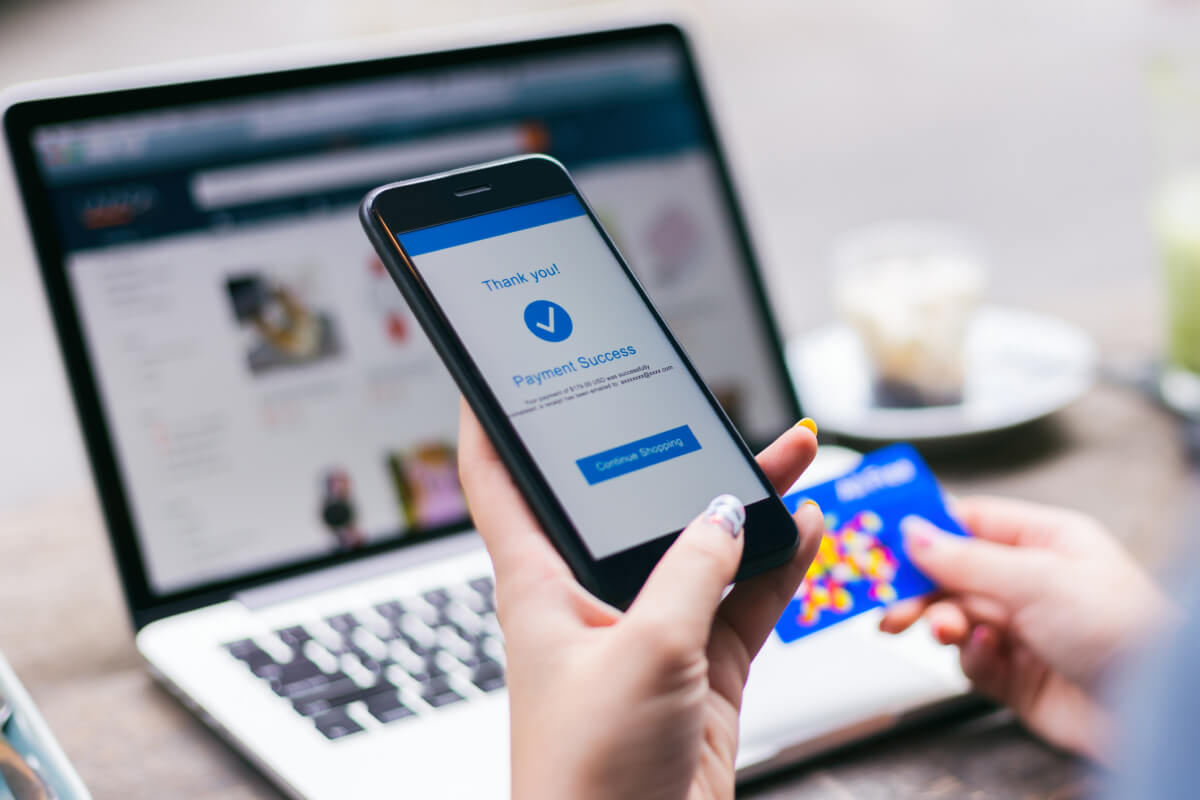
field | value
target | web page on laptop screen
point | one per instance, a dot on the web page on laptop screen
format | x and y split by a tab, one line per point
269	395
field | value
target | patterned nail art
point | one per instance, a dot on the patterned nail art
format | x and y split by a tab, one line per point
728	513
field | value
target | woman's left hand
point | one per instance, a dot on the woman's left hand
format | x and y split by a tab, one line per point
645	703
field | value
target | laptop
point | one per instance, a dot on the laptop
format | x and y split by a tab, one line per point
273	439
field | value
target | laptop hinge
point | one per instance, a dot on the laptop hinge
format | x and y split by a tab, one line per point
333	577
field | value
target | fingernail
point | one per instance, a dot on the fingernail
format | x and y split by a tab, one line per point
727	513
981	637
813	503
807	422
917	533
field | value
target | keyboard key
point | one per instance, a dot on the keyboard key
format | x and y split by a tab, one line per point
267	671
301	675
438	692
442	617
479	637
294	637
369	644
401	678
467	620
404	656
474	659
421	611
327	662
363	676
384	661
336	723
478	603
275	648
437	597
244	649
488	676
493	648
417	647
392	609
258	660
417	632
365	662
376	666
382	627
428	670
333	694
491	624
327	637
386	707
451	640
449	663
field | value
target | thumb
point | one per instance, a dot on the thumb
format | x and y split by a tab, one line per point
685	588
965	565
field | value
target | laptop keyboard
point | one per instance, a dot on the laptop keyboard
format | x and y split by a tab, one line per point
379	665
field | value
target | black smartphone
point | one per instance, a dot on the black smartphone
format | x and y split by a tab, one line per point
602	420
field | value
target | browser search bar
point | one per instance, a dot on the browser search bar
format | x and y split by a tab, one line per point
289	177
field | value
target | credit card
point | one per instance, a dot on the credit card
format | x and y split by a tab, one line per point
861	562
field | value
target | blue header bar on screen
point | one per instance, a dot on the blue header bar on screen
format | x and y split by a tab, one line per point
485	226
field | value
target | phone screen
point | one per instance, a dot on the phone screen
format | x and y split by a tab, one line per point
622	432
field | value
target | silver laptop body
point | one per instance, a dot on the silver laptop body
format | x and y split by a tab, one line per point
272	438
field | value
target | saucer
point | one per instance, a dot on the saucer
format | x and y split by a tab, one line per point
1021	366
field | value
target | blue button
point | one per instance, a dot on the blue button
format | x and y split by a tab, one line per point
548	321
638	454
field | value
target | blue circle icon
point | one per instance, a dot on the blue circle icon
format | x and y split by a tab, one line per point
548	321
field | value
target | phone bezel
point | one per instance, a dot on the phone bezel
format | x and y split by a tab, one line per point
397	208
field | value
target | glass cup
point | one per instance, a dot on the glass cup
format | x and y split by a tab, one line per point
909	290
1177	226
1175	215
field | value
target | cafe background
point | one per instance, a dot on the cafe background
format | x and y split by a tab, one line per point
1039	130
1031	126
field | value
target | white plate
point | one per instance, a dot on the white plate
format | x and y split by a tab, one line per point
1021	366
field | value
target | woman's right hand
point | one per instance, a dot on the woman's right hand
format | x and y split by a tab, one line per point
1040	602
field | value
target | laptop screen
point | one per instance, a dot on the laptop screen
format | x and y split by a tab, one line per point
269	400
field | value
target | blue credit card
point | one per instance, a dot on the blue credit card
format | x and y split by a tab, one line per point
861	562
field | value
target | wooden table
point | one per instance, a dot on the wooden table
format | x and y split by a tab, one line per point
65	632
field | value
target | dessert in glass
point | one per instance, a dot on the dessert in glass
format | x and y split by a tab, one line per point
909	290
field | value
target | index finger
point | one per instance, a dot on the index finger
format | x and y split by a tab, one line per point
785	459
1021	523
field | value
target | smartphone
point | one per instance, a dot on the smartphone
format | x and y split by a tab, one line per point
603	422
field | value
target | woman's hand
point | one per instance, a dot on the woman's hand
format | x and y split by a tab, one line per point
642	704
1040	603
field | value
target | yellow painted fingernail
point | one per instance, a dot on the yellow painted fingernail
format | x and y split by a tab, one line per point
813	503
807	422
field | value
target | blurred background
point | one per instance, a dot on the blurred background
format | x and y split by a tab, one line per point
1048	134
1027	124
